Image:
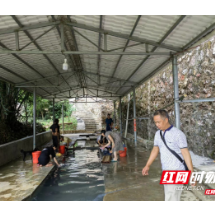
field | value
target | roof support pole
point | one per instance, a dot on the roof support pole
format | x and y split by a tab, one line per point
105	42
17	40
176	91
120	115
126	126
134	113
53	104
114	112
62	118
62	37
34	118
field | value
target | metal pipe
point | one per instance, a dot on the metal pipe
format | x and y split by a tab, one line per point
5	51
62	37
34	118
124	36
120	114
197	100
62	119
134	113
17	40
126	126
53	109
105	42
39	86
114	110
29	27
37	38
87	39
176	91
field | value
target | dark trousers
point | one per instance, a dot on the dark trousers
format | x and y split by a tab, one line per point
55	141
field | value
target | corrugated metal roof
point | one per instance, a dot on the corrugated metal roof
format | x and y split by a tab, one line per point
113	70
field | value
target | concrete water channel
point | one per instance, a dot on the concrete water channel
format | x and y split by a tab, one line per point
85	178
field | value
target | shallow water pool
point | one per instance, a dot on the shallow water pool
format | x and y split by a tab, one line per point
80	179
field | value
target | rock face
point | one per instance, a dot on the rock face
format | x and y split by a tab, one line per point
196	74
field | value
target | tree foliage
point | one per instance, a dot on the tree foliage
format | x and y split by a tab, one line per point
16	112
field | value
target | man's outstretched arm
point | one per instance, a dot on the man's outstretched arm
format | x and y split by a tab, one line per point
153	155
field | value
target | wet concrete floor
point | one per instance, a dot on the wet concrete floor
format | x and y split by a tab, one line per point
83	177
124	180
19	179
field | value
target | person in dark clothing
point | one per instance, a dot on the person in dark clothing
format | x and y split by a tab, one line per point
45	155
101	140
55	133
109	123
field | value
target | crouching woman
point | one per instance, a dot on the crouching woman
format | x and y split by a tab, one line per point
46	154
116	141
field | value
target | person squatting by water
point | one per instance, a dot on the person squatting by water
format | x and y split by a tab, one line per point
55	134
101	140
67	142
46	154
109	123
176	140
116	141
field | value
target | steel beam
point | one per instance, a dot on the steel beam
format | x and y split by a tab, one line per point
17	40
124	36
72	97
31	39
120	114
176	91
126	126
45	52
110	50
57	27
28	27
87	39
106	76
149	76
196	100
134	113
45	86
153	50
62	37
82	77
132	31
116	34
37	38
50	76
105	42
34	118
202	34
99	56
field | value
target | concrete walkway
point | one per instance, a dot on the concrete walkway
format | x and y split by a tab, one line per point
18	179
124	180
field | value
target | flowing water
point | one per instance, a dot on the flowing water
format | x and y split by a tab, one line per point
80	179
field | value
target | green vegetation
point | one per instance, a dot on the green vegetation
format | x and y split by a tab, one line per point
16	113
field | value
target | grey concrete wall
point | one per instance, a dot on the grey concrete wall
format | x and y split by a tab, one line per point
11	151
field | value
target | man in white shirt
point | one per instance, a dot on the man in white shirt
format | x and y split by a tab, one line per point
176	141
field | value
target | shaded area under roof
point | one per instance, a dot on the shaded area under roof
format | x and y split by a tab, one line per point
32	51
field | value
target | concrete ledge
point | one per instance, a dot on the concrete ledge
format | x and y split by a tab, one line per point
11	151
141	142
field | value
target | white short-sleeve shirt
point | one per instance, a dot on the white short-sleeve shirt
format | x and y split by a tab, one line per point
176	140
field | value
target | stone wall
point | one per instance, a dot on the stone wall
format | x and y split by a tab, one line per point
11	151
196	74
98	110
